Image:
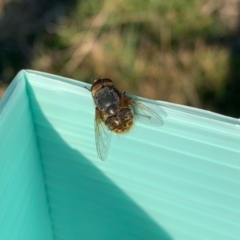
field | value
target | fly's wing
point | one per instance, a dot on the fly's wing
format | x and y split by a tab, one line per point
144	113
102	137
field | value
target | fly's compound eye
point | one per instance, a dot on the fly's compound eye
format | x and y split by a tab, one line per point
100	83
106	82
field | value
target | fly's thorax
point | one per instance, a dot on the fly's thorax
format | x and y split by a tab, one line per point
121	122
107	100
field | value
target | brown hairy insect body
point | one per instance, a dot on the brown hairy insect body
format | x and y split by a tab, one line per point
115	112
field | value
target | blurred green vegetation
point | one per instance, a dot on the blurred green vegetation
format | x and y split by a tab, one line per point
186	52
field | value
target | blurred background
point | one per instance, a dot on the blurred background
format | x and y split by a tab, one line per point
180	51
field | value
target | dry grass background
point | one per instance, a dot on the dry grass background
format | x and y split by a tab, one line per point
184	51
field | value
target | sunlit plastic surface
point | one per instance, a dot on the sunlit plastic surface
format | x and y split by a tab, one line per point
179	181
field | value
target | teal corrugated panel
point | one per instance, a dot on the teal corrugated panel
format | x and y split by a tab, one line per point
24	212
179	181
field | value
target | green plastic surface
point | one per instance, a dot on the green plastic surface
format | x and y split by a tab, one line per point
177	182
